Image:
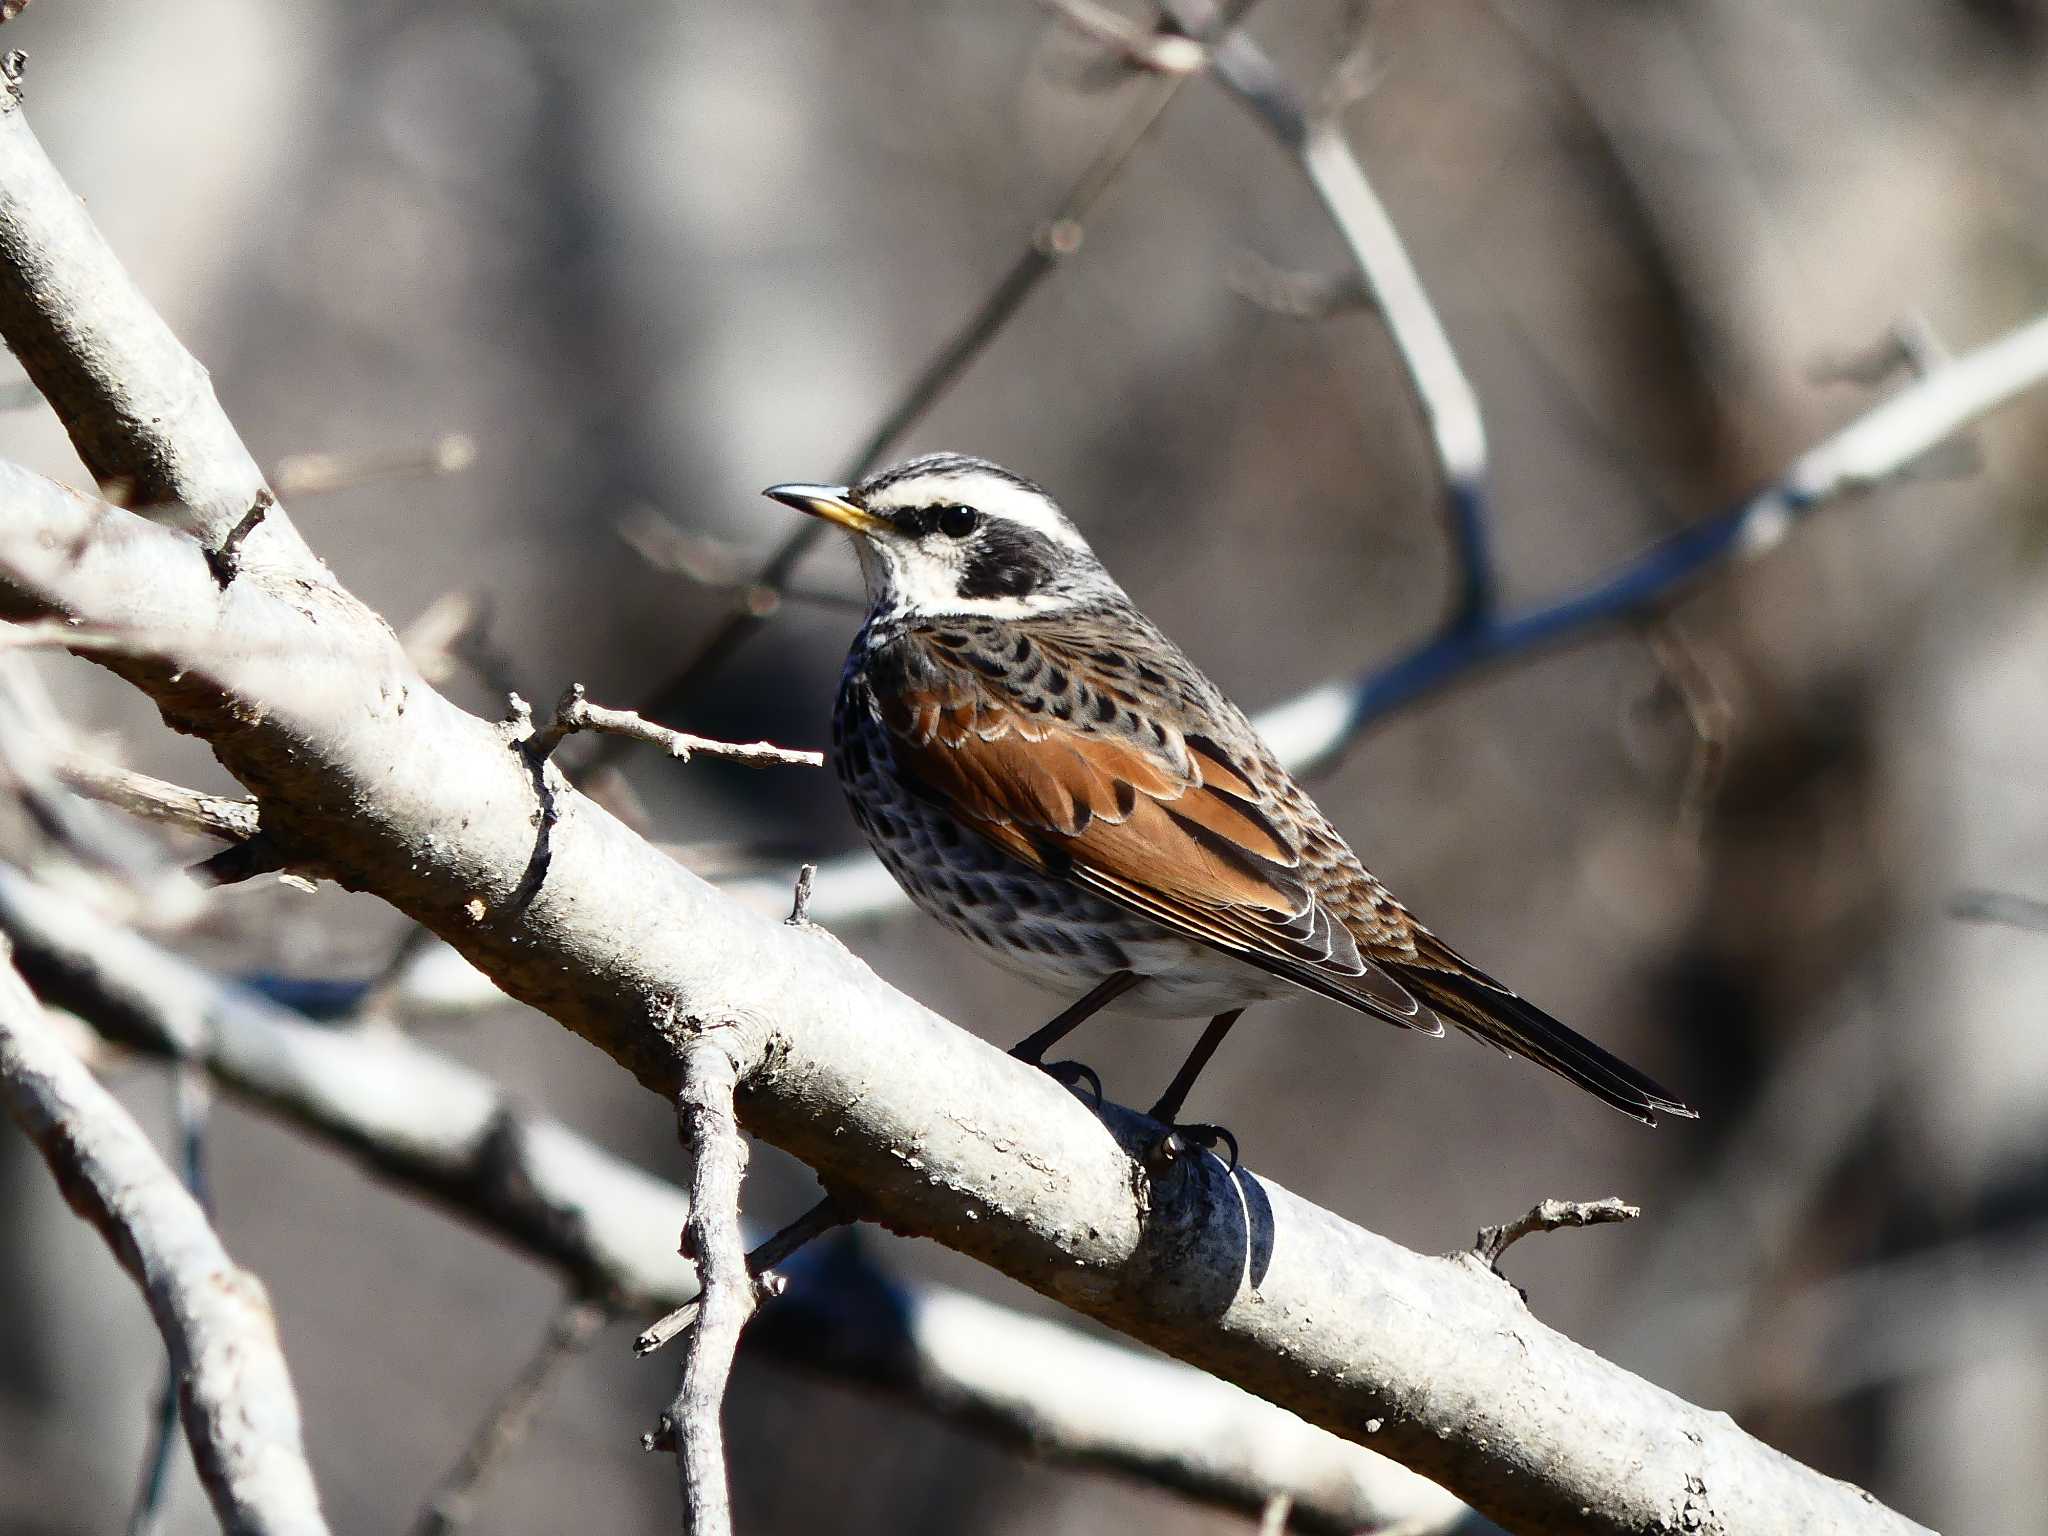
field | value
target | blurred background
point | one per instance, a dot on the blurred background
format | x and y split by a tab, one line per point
651	255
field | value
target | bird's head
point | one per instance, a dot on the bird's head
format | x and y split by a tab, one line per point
949	534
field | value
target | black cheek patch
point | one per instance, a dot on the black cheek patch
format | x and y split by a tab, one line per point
1006	561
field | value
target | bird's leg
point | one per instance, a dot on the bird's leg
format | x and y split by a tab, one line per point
1032	1047
1167	1110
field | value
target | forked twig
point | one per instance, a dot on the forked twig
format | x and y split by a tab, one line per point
818	1220
575	713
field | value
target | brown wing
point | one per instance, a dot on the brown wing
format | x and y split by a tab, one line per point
1053	749
1059	766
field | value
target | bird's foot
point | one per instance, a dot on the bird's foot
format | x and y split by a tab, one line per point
1071	1075
1179	1140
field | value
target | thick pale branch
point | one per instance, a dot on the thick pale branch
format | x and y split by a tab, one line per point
240	1414
935	1133
140	409
439	1129
360	765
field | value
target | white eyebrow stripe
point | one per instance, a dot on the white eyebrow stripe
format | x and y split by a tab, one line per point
995	495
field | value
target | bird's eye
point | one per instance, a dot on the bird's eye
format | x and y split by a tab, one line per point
957	522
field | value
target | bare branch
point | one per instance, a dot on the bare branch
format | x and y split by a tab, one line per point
1058	236
1229	1272
569	1333
2007	907
821	1218
1386	275
1163	53
800	899
139	407
843	1071
192	1103
320	474
719	1155
573	713
1550	1216
156	800
1312	730
241	1416
434	1127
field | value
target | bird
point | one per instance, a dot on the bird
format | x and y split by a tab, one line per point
1047	774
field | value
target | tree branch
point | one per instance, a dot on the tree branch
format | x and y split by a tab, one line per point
241	1416
308	699
140	409
441	1131
718	1153
1235	1275
152	799
1056	237
574	712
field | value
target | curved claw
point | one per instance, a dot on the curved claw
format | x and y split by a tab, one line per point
1070	1074
1178	1138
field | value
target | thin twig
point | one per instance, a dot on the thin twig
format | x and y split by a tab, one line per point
319	474
815	1222
1449	404
191	1108
455	630
1163	53
1056	237
800	899
1707	711
156	799
2006	907
709	1077
575	713
569	1333
1550	1216
1312	731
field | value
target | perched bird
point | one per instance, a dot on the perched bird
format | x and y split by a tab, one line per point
1047	774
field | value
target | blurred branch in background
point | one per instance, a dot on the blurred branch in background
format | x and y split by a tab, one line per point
1224	1270
1058	236
241	1416
445	1133
1313	730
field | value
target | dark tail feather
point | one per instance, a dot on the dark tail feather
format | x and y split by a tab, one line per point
1493	1014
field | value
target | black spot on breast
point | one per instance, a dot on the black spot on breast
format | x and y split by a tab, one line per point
988	666
1105	709
1110	661
1056	680
1021	651
951	639
1151	675
1007	561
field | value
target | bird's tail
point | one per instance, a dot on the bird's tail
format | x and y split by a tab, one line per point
1483	1008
